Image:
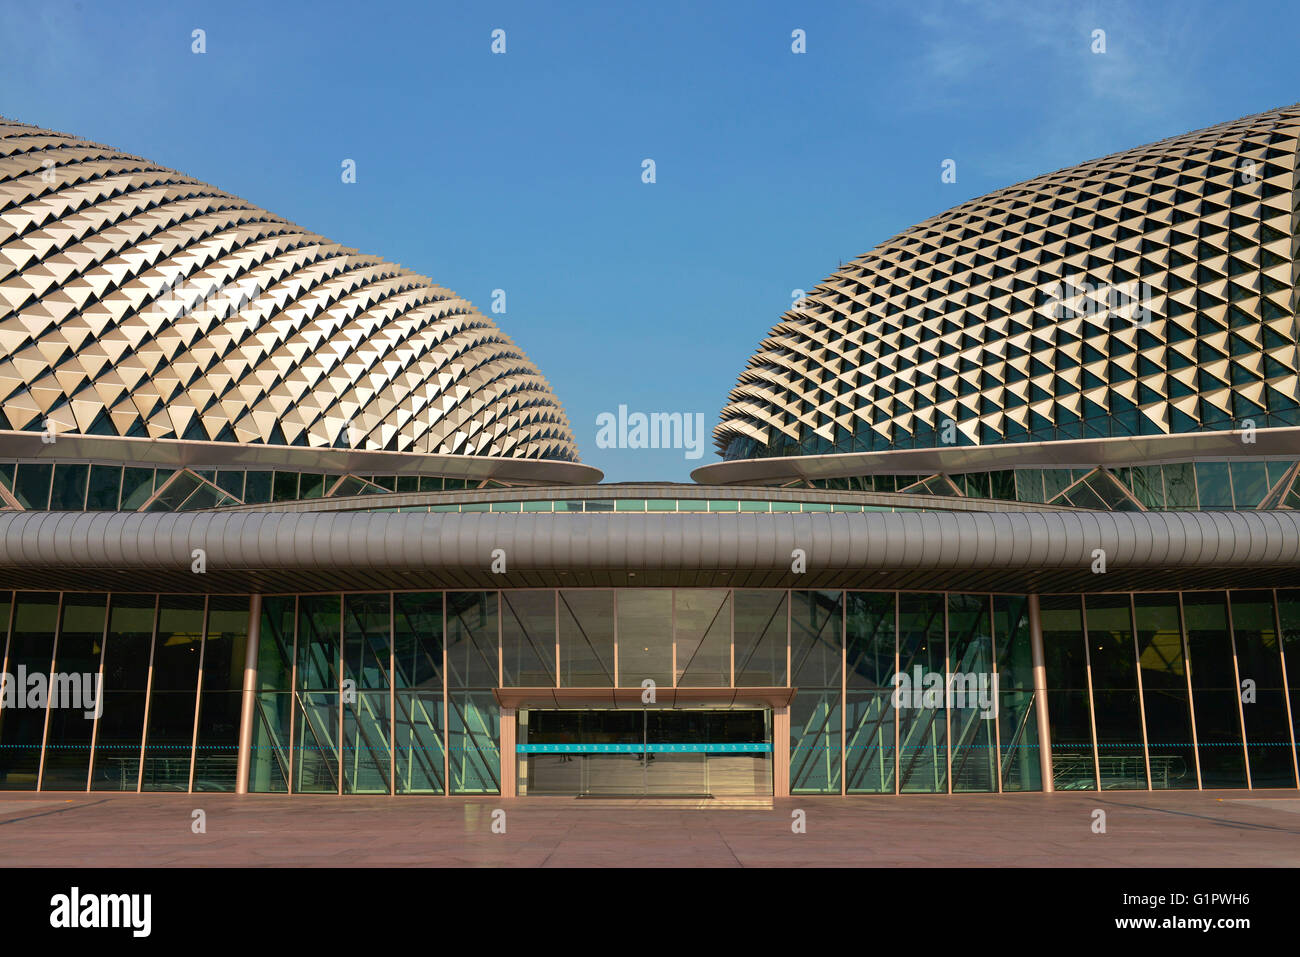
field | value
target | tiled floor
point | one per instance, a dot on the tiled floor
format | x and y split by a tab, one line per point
1224	829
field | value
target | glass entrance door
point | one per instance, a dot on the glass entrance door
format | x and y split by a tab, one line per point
652	752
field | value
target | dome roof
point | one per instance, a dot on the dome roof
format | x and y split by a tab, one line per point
136	301
1145	293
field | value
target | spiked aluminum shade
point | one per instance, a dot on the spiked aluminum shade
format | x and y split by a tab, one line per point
998	318
136	301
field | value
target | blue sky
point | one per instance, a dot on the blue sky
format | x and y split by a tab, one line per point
522	171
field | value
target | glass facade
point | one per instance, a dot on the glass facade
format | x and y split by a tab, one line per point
74	487
1203	486
890	692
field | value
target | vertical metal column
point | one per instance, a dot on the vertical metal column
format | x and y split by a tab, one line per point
1040	694
249	701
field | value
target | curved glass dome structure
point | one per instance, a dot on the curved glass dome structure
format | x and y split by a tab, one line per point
1148	293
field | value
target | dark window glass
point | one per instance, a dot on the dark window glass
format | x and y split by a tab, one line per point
366	652
73	708
1249	483
126	678
286	487
318	642
105	488
216	761
1164	691
816	638
1068	709
922	730
69	491
974	702
1214	691
172	697
269	764
137	486
417	642
31	653
870	640
1263	700
32	485
1017	721
275	646
257	488
472	639
1117	708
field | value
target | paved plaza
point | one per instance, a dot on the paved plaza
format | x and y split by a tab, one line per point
1176	829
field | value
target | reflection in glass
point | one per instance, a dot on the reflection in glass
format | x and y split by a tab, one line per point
1164	691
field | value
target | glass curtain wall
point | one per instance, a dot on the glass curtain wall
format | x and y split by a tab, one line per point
377	693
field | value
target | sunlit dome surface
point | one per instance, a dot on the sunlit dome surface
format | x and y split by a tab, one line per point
136	301
1150	292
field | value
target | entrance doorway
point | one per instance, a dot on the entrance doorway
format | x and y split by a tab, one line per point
646	752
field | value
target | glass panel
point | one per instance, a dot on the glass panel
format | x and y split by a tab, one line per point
1263	701
922	731
366	653
31	652
703	618
419	743
472	639
137	486
1068	708
1249	483
1214	691
269	769
73	707
69	491
1214	485
1180	486
365	743
1114	692
275	647
474	735
528	638
417	641
761	638
645	636
869	759
105	487
257	488
815	742
216	761
1017	720
816	638
1164	692
586	639
173	695
973	701
318	642
870	635
32	485
126	677
316	731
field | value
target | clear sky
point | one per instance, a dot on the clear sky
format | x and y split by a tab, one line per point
522	171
